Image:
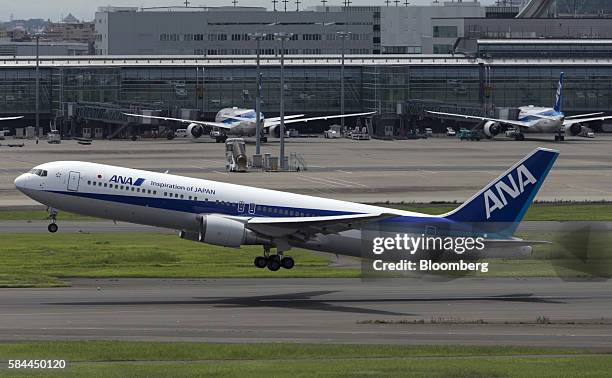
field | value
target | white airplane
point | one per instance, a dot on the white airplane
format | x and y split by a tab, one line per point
242	122
233	215
533	119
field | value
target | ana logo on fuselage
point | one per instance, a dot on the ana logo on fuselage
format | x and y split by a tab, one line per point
126	180
497	200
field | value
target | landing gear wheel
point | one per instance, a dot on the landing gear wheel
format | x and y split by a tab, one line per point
287	262
274	263
260	262
519	137
264	139
52	228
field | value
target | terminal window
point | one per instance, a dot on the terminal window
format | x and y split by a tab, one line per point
445	32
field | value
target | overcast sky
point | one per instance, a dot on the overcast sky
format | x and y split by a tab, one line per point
85	9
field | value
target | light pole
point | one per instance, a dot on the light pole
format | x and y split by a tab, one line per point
343	35
37	85
282	37
258	37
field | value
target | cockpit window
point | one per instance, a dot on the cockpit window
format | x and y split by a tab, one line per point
38	172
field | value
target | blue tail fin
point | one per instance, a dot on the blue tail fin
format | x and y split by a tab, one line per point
506	199
559	98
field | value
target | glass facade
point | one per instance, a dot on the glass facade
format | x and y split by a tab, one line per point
309	89
567	49
582	8
306	88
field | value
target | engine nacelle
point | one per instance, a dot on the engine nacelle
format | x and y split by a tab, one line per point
218	230
195	130
574	129
491	129
274	131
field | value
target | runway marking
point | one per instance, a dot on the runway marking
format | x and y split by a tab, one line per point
349	182
341	171
334	182
319	181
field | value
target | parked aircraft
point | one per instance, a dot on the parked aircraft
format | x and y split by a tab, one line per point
533	119
241	122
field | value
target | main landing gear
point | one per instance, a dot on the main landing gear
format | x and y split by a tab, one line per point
273	262
52	227
560	137
519	137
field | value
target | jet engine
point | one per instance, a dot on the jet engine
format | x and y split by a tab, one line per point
274	131
218	230
574	129
491	129
195	130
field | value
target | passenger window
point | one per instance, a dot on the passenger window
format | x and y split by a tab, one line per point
149	191
181	196
105	185
99	184
155	192
195	198
88	182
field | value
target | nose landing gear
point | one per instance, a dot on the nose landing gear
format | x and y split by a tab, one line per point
52	228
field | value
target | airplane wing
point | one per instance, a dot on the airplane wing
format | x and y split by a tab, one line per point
204	123
514	242
569	122
295	120
584	115
275	119
10	118
305	227
477	118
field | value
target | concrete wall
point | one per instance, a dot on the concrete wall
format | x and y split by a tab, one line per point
140	32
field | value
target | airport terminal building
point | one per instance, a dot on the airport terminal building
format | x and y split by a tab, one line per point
91	89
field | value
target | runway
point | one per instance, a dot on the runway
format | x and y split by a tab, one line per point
462	311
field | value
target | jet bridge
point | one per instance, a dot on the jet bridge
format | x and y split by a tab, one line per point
76	116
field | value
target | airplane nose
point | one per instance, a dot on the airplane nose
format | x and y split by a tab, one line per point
20	182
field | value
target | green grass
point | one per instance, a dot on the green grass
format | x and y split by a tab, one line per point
43	259
39	215
140	359
537	212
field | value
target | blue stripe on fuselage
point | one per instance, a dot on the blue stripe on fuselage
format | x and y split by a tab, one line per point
403	223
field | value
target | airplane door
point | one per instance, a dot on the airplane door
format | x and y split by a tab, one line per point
73	181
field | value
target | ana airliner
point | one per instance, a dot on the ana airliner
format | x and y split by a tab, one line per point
242	122
533	119
232	215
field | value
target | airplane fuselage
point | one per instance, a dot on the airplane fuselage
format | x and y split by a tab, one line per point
176	202
540	120
239	127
